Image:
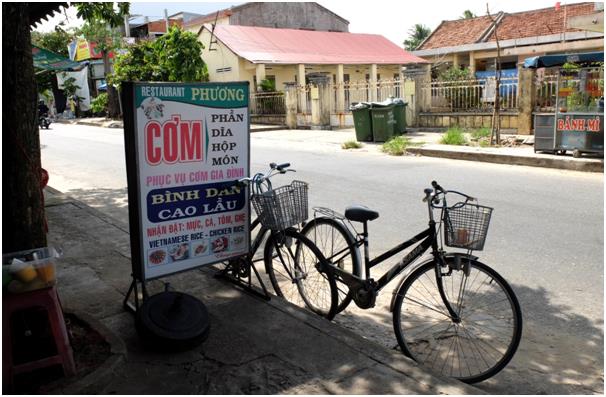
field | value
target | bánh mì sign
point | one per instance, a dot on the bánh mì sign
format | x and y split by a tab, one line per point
579	123
186	145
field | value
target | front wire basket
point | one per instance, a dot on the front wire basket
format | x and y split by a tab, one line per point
466	226
282	207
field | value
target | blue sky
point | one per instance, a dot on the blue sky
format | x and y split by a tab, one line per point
391	19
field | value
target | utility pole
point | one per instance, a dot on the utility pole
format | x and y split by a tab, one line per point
126	26
495	134
166	20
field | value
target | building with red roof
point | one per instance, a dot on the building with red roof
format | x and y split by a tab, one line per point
554	30
290	55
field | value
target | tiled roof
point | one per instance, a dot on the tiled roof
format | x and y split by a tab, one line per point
291	46
208	18
454	33
542	22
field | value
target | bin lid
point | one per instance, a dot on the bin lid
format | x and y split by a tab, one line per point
360	105
382	104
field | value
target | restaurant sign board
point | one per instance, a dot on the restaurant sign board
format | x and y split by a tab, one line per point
186	146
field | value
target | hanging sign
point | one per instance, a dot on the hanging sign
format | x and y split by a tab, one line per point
186	145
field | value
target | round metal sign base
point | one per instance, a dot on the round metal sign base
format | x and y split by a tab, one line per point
172	321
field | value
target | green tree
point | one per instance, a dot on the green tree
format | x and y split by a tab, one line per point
455	74
102	19
69	86
57	42
268	85
416	35
467	15
176	56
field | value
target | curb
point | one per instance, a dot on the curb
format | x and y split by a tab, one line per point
268	128
563	164
104	124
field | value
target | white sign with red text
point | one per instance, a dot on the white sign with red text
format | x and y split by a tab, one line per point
192	144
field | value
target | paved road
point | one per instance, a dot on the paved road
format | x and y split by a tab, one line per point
546	237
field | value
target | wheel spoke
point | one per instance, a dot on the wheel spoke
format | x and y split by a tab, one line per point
474	347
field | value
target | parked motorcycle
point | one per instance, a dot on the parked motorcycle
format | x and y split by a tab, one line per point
44	121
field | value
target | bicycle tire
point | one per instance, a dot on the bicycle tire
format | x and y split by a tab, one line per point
292	263
332	237
467	340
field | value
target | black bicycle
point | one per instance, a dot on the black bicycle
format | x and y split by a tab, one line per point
452	313
294	264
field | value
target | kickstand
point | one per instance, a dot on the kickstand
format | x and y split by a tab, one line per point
238	272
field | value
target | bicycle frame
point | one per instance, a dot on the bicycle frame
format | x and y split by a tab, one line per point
426	239
256	243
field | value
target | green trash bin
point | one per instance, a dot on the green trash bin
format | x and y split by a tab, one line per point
399	112
362	123
383	121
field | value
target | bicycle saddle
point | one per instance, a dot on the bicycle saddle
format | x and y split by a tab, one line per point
360	213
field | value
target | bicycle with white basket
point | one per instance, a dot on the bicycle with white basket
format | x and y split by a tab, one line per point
295	266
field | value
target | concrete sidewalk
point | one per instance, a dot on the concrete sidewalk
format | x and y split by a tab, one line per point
254	347
427	144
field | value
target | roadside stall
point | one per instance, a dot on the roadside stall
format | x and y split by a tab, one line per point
577	122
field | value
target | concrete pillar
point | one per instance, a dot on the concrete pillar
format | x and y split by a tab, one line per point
423	91
373	82
340	89
455	60
290	100
401	81
302	94
410	97
320	103
472	63
260	75
526	100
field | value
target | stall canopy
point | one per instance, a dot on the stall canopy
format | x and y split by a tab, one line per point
48	60
547	61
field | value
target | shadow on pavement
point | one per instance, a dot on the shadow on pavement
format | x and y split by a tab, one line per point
112	202
560	353
254	347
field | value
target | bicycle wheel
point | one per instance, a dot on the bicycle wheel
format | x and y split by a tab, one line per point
293	264
476	347
336	243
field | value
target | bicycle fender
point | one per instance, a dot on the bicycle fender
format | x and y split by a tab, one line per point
447	255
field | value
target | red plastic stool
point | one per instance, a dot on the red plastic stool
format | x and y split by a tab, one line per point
47	299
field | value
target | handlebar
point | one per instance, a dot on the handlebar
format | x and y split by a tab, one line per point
261	182
280	167
438	193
